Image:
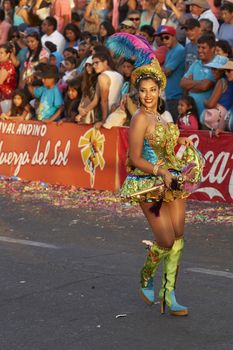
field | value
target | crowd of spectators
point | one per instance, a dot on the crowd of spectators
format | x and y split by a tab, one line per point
55	65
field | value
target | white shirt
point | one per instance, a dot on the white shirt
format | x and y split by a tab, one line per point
56	38
208	14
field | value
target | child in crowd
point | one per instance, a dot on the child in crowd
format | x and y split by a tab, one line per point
70	64
187	118
50	99
72	100
20	108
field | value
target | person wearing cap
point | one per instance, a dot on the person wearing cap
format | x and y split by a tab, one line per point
226	28
50	99
198	81
193	33
221	97
128	26
173	68
201	9
134	16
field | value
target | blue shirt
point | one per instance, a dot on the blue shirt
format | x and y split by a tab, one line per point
175	61
200	72
50	101
191	54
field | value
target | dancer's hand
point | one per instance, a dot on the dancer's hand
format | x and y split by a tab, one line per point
185	141
167	177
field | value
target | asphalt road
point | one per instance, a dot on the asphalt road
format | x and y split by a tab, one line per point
67	274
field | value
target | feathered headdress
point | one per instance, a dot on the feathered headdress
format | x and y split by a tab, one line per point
130	46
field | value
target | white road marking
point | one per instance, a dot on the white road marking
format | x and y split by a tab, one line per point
27	242
212	272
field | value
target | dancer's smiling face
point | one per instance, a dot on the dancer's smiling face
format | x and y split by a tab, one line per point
149	93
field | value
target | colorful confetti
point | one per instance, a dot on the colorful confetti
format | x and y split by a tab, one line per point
72	197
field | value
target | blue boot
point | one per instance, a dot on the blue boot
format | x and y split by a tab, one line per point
148	293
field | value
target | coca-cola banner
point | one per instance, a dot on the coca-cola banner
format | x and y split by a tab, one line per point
217	182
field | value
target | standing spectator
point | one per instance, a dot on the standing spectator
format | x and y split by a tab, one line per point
109	85
206	26
201	9
36	54
96	12
4	28
8	8
61	10
51	101
49	28
226	29
7	73
21	13
193	33
124	7
198	81
151	11
134	16
173	68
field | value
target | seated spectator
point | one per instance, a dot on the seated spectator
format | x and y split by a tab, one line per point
108	90
223	48
201	9
49	28
173	68
198	81
193	33
70	52
72	100
106	30
51	104
226	29
36	54
4	28
20	108
72	35
134	16
21	13
220	100
188	116
7	73
88	88
206	26
128	26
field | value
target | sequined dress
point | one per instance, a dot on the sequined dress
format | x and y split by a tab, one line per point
139	186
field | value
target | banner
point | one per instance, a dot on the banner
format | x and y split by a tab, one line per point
65	154
217	182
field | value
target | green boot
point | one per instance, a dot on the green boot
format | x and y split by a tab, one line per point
153	259
167	292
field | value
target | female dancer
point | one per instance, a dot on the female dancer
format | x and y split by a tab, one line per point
159	191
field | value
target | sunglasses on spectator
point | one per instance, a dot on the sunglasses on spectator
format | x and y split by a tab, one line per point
126	27
165	37
134	18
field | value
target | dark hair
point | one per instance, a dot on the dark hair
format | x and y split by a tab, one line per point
208	39
7	47
148	30
189	100
129	61
75	17
18	110
2	15
89	82
34	56
132	12
74	29
100	48
104	56
51	22
71	60
51	46
71	50
225	46
71	106
209	24
227	6
108	27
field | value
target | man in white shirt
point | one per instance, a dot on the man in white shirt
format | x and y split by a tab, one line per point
49	28
200	9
